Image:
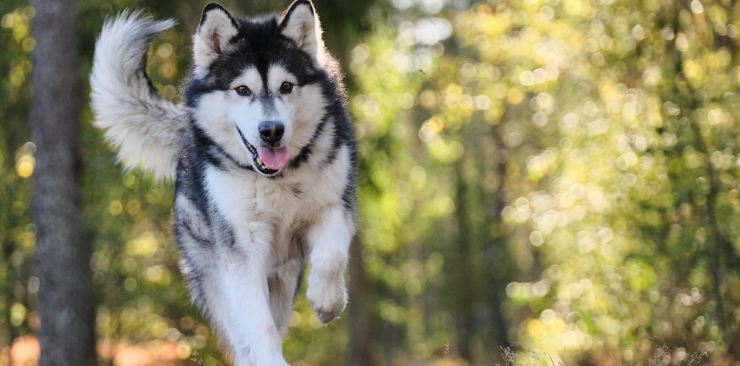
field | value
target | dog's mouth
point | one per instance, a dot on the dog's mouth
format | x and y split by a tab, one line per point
267	160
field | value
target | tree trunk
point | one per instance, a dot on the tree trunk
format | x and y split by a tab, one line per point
359	313
497	278
464	281
65	300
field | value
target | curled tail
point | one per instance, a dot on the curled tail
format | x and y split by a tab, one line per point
146	128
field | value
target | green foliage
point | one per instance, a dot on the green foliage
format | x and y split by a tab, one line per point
580	177
16	163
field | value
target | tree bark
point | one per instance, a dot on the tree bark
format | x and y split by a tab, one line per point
65	300
359	313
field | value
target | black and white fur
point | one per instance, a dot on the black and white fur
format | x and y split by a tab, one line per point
245	227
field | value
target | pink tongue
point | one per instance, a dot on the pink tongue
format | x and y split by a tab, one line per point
274	157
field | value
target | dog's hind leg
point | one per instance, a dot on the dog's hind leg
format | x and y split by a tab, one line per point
231	286
244	309
283	287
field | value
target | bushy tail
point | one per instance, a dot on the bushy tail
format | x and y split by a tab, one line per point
146	128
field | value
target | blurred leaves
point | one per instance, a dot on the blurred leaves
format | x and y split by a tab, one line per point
592	149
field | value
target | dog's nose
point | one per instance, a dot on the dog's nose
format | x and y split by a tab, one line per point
271	131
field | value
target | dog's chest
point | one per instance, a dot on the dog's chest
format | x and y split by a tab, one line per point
283	208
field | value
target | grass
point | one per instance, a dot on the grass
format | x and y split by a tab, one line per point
662	356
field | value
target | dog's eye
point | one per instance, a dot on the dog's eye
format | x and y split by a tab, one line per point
286	87
243	90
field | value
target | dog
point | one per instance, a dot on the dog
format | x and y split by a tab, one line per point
263	156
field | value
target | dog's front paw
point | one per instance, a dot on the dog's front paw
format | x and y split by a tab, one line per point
327	296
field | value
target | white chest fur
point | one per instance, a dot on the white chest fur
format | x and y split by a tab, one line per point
275	210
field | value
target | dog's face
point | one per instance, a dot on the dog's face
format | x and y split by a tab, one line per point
255	89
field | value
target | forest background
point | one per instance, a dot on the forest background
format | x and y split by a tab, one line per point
541	181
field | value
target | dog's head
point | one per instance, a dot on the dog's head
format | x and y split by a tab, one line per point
256	86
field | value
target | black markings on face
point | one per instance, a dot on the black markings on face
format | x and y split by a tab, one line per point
305	152
267	99
259	44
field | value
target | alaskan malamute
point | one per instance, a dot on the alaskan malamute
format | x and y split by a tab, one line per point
263	156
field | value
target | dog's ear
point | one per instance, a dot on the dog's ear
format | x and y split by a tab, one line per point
300	24
216	29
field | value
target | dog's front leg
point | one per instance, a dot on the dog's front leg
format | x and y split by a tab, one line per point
254	338
329	240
